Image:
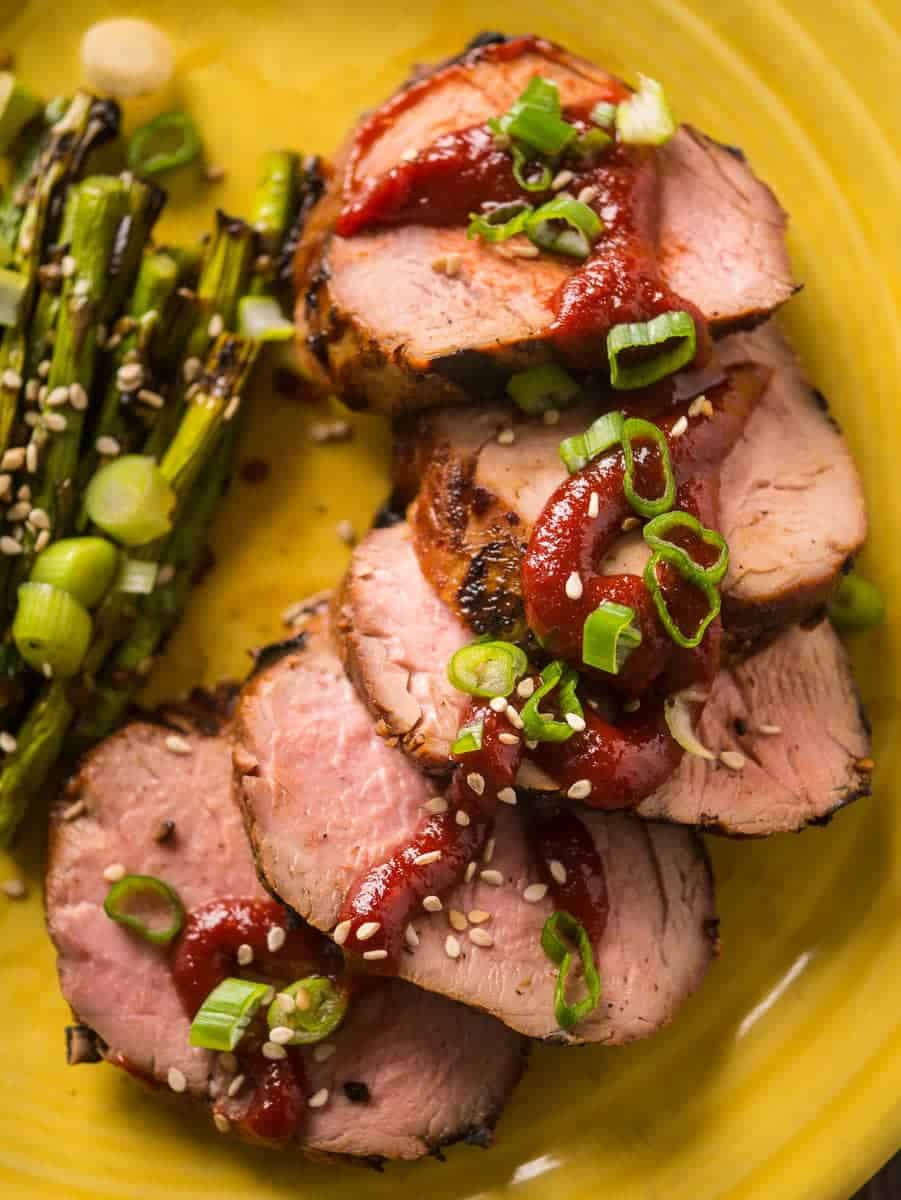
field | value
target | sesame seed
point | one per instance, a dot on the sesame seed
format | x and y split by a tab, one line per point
191	369
24	492
506	795
78	397
629	524
481	937
462	817
330	431
457	920
470	872
475	782
12	379
14	889
107	446
47	670
409	154
68	266
42	540
274	1051
32	390
680	427
451	946
165	574
436	805
535	892
594	505
345	531
151	399
561	180
245	955
31	458
177	745
7	743
44	368
478	916
18	512
557	870
13	460
517	250
285	1002
176	1079
632	705
39	518
432	904
129	377
494	878
551	416
574	586
55	422
506	437
302	999
319	1099
213	173
324	1051
507	739
498	704
579	790
222	1123
114	872
375	955
275	938
81	287
340	933
57	397
769	730
700	407
525	688
367	930
513	717
6	481
574	721
32	419
281	1034
216	325
488	852
411	937
425	860
587	194
733	759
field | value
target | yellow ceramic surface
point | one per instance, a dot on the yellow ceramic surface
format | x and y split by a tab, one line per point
782	1078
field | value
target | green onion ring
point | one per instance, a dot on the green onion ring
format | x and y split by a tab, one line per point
487	668
654	535
542	388
677	327
500	223
222	1019
635	428
601	435
539	730
559	952
147	152
609	636
326	1009
130	887
711	592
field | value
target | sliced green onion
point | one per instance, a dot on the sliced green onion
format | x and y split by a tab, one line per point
500	223
133	900
677	714
541	93
83	566
322	1009
655	535
669	327
469	738
633	429
539	729
131	500
52	631
857	604
17	107
556	927
12	289
223	1017
581	227
138	578
544	131
169	141
261	317
542	388
645	119
602	434
487	668
711	592
603	114
539	177
609	636
590	145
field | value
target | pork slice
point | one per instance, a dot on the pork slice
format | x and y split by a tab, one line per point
395	334
793	714
791	501
326	798
435	1072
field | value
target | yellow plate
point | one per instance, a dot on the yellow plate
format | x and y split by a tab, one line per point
781	1079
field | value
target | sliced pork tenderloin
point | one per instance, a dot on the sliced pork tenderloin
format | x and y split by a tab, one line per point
433	1072
791	501
326	798
394	332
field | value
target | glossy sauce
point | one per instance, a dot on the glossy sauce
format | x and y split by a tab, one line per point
556	834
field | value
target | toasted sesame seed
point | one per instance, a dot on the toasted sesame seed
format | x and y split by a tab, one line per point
525	688
425	860
513	717
481	937
81	288
451	946
506	437
245	954
150	398
680	427
700	407
488	852
629	524
517	250
557	870
274	1051
330	431
375	955
436	805
324	1051
281	1034
551	416
340	933
579	790
475	782
32	390
107	446
39	518
191	369
57	397
221	1121
275	938
470	872
574	721
769	730
78	397
574	586
177	744
345	531
24	492
6	481
462	817
11	379
508	739
31	458
494	878
507	795
594	505
318	1099
561	180
44	368
19	511
498	704
14	889
285	1002
367	930
409	154
535	892
33	419
733	759
42	540
129	377
114	872
7	743
213	173
47	670
432	904
631	706
176	1079
587	194
478	916
457	919
13	460
55	422
411	937
68	266
216	325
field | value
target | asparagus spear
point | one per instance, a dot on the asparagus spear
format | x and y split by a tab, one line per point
38	746
276	202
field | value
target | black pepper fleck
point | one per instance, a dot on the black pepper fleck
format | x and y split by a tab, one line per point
356	1092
